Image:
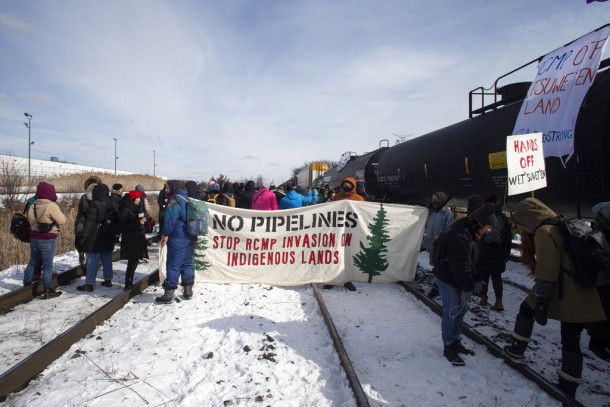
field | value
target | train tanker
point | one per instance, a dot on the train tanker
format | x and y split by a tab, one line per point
470	156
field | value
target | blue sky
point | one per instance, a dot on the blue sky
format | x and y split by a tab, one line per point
256	88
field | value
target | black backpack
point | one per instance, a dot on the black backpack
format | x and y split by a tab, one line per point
438	250
20	227
590	250
111	225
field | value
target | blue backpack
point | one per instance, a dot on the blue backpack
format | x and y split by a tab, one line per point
196	217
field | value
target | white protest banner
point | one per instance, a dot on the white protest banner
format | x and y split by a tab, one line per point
334	242
525	162
554	98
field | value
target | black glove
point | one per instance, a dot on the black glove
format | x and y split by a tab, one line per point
541	311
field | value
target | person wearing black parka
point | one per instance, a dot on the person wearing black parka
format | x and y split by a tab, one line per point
133	238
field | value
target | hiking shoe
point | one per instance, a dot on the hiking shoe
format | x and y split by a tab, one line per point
452	356
461	349
512	353
85	287
51	293
349	286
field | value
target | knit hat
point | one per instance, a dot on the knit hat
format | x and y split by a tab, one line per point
215	187
134	194
485	215
140	188
117	189
474	203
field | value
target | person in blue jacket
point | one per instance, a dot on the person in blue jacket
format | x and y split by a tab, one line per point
180	245
295	199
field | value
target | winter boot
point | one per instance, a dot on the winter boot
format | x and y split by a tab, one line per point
570	374
85	287
483	300
187	290
129	279
450	352
349	286
167	297
498	306
107	283
461	348
51	293
515	351
328	286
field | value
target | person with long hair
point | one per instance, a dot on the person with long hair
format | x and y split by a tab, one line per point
555	293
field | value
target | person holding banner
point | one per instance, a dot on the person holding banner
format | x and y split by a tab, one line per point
455	277
555	294
180	245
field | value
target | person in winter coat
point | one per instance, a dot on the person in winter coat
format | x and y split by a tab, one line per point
455	276
295	199
494	252
45	218
193	190
555	294
227	190
97	245
133	238
361	190
264	200
116	193
279	194
599	332
440	219
348	191
315	196
245	199
180	245
215	196
79	221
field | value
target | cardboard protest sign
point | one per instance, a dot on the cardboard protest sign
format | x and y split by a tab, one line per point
525	161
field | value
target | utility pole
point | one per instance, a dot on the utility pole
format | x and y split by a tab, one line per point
154	163
29	126
115	156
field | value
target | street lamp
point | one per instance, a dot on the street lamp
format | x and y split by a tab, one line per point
29	126
154	163
115	156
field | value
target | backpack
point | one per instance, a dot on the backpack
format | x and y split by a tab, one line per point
438	250
196	217
589	248
111	225
211	199
20	227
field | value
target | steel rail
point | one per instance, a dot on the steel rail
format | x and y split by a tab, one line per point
24	294
495	350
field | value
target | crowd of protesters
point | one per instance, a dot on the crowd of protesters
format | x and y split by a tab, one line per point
469	252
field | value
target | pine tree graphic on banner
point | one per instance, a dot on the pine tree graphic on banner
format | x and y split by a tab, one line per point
372	260
199	262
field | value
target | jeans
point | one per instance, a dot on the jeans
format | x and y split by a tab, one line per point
454	310
41	251
92	260
179	261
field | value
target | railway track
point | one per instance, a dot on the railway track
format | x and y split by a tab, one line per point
24	294
17	377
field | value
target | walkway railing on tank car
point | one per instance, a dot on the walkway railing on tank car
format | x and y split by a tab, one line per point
481	91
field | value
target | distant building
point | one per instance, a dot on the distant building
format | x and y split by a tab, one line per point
50	167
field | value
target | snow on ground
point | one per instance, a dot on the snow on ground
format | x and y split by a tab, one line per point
258	345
